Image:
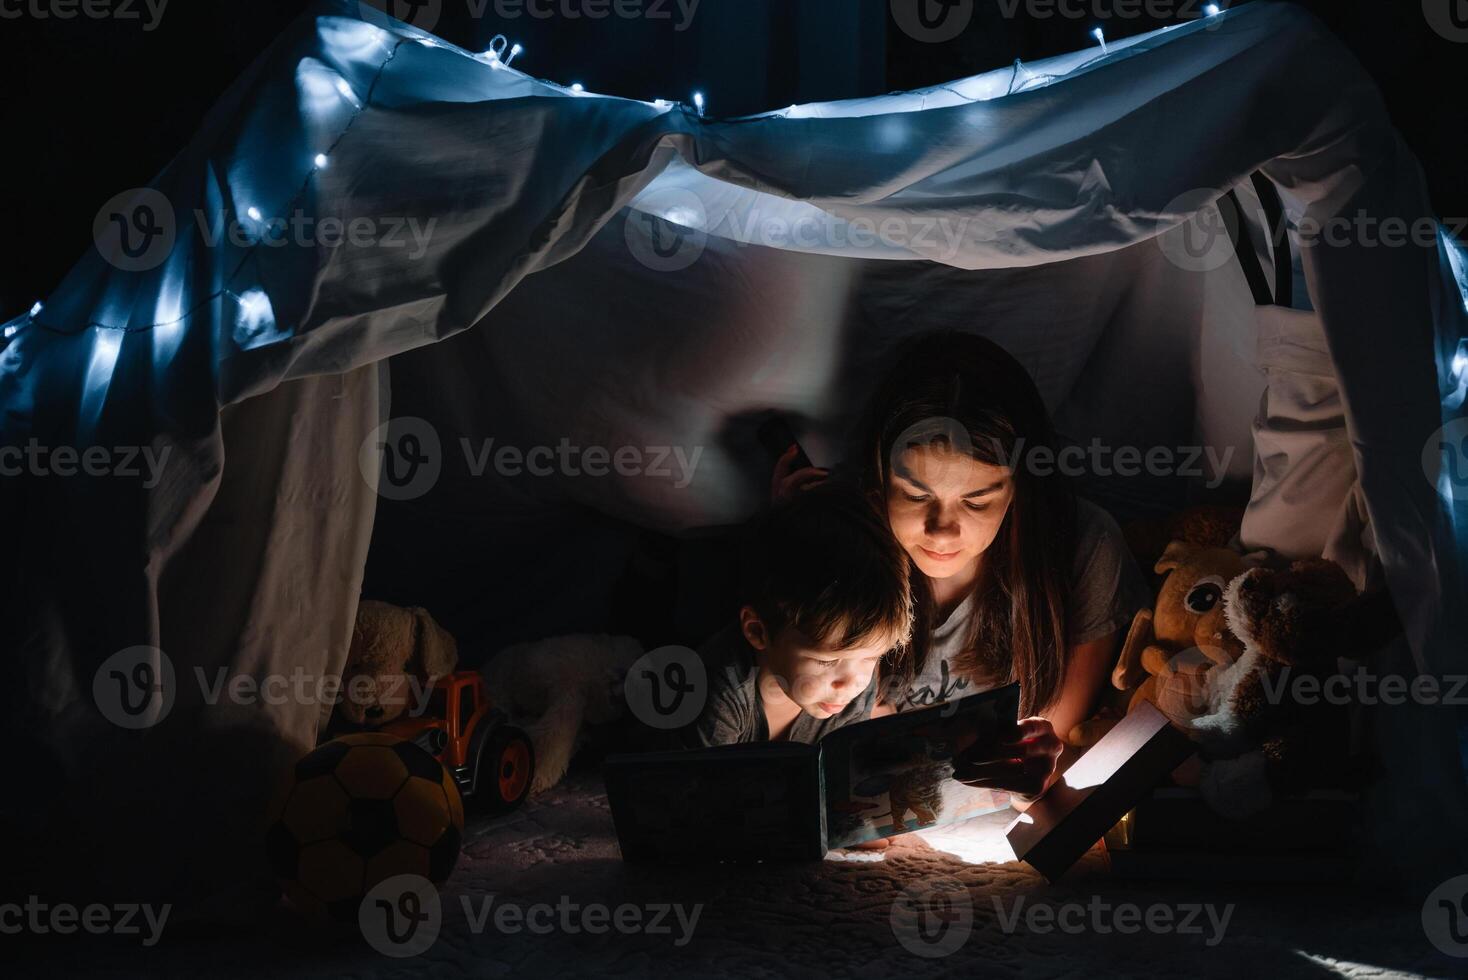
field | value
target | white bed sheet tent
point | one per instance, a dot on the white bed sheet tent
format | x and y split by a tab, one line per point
1041	206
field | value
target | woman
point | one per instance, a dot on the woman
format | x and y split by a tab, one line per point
1014	578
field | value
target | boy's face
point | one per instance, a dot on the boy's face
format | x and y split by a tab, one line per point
822	680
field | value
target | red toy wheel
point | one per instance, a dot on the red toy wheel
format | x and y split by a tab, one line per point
506	766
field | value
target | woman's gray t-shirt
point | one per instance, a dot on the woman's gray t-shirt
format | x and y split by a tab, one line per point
1106	590
733	711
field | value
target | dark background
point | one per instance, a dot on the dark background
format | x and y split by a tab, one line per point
94	106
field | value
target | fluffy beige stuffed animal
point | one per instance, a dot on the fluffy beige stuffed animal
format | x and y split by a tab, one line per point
553	688
393	651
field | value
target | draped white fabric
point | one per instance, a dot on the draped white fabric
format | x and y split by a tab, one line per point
1047	204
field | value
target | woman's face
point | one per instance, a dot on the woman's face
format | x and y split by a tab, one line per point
945	508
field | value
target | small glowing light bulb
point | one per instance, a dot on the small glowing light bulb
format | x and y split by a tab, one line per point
320	160
254	213
36	310
514	52
577	87
1211	10
698	102
1100	37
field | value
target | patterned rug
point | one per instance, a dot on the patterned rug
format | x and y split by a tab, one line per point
543	893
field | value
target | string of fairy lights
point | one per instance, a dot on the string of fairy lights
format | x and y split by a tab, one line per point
502	52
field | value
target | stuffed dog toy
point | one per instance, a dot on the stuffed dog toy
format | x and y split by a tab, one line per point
1294	623
554	688
393	651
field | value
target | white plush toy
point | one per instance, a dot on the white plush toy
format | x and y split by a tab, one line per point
553	688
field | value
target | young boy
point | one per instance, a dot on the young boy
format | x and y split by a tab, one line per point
826	596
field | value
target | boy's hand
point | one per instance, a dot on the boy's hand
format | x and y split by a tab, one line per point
1022	766
787	480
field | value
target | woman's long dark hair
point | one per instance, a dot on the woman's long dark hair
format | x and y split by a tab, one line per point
1019	626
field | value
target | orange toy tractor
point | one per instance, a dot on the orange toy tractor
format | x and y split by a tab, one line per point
491	760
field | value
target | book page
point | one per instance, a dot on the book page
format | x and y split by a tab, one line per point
893	775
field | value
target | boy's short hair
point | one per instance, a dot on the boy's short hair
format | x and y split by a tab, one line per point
825	562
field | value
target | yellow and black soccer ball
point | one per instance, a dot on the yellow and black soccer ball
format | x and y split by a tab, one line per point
357	811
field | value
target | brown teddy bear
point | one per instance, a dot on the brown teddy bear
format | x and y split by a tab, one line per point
1171	649
395	655
1294	623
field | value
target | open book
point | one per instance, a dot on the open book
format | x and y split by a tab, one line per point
793	801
